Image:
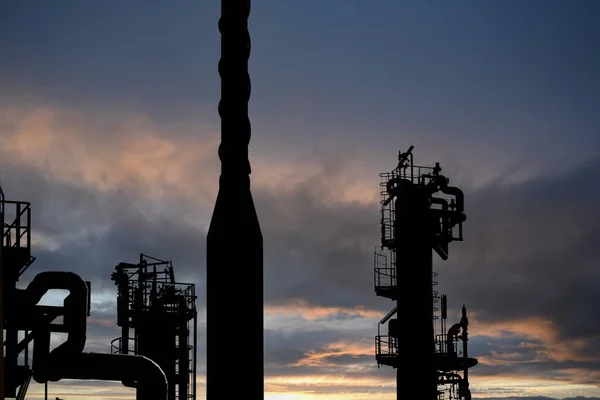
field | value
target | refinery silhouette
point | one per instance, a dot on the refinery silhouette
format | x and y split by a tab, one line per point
421	214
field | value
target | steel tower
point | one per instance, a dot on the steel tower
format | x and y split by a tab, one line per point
420	212
157	316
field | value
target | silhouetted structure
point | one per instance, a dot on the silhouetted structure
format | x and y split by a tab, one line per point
234	267
419	213
155	313
2	372
15	219
25	321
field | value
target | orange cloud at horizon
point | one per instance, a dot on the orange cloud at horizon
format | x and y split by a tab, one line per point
310	312
318	357
538	333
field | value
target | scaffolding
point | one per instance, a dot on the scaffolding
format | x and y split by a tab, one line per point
16	258
420	212
157	315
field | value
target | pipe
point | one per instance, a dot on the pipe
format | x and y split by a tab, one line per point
67	360
392	187
465	337
442	182
388	316
398	182
75	306
132	370
402	157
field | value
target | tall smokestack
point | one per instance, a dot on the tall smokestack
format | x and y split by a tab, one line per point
234	270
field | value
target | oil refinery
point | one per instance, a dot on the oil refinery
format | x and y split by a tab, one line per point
158	359
156	352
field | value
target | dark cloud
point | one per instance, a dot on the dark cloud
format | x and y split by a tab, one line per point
529	251
98	230
317	252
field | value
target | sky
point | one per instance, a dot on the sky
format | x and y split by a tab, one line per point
109	127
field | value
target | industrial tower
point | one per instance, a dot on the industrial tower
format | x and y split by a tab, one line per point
420	212
15	258
155	313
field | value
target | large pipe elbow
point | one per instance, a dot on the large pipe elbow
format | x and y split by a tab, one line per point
460	197
442	182
132	370
395	183
75	305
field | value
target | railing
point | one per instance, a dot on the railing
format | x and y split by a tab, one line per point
415	174
116	346
423	176
18	233
441	346
385	347
141	294
436	295
387	214
384	270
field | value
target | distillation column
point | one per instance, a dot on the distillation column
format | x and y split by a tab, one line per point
234	243
416	372
420	214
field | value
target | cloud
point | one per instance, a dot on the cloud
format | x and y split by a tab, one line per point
530	252
103	190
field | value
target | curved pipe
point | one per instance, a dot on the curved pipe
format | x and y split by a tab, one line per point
67	360
396	183
393	185
132	370
75	305
442	182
